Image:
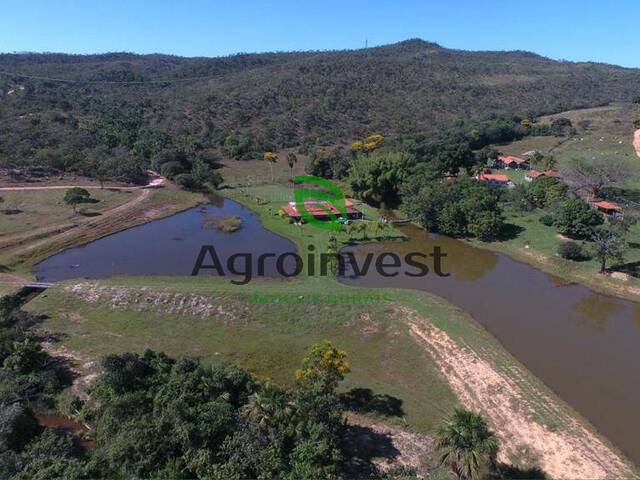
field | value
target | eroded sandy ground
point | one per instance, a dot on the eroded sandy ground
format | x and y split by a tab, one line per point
568	451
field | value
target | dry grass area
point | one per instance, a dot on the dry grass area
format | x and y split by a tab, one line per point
26	212
571	450
19	252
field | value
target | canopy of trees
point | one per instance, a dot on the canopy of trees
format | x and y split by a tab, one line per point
153	416
460	207
243	105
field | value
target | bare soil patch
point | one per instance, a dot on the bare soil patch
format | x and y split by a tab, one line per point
145	299
569	449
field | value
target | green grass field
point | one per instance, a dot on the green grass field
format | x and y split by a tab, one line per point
267	339
604	132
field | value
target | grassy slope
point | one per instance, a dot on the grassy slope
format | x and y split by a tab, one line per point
609	134
42	208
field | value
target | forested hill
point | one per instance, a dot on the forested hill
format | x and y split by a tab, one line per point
245	104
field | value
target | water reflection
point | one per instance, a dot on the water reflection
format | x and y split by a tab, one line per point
584	345
170	247
595	310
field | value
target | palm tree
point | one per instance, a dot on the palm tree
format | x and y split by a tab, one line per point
466	445
268	407
292	159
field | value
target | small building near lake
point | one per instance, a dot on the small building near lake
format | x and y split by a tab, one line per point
321	210
532	174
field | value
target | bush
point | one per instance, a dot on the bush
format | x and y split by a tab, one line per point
171	169
185	180
571	251
547	220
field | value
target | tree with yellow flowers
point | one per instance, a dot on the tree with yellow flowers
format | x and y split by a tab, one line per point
271	158
323	367
371	143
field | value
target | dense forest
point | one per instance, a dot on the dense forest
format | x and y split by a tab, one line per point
115	115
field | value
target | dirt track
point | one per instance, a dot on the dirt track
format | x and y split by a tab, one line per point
569	450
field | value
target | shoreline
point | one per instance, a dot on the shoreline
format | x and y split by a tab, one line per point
507	365
575	422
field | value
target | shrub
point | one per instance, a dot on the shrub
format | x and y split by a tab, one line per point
229	224
171	169
185	180
547	220
571	251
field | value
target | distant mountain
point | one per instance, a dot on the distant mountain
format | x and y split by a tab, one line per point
255	102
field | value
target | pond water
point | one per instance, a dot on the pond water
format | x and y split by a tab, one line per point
170	247
61	423
583	345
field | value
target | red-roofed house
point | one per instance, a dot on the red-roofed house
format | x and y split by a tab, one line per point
320	210
495	179
608	208
531	175
510	161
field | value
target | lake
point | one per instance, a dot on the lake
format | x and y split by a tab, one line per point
583	345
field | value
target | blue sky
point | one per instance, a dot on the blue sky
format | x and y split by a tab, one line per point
598	30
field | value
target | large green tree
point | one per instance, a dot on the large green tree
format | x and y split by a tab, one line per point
377	177
460	207
576	218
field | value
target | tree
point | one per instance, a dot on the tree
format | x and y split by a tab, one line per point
186	181
461	207
75	196
272	158
598	172
576	218
570	251
608	245
377	177
292	159
546	191
466	445
324	367
203	173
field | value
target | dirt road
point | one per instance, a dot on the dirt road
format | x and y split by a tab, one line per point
155	182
